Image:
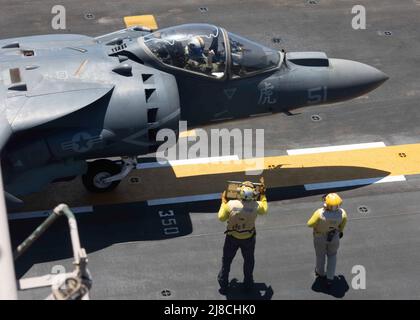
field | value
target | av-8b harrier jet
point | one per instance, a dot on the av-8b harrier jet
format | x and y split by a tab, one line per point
65	99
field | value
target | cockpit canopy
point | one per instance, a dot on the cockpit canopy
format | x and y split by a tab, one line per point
201	48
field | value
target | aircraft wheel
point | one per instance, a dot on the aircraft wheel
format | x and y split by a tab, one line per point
97	171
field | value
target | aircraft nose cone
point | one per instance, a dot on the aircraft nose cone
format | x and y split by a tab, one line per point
350	79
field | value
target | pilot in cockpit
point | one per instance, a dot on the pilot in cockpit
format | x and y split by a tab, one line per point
196	57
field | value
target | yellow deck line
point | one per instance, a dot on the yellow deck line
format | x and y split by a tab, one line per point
396	160
196	179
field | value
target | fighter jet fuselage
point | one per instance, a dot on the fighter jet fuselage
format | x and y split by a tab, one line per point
68	98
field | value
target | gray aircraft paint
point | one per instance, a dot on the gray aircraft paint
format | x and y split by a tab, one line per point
68	98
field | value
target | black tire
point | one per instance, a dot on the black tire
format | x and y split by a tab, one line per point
103	167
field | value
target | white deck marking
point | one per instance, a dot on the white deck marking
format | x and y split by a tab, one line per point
200	197
172	163
46	213
353	182
337	148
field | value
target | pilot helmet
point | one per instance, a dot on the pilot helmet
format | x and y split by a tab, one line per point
196	45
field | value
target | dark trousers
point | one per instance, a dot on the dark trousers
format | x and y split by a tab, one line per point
230	248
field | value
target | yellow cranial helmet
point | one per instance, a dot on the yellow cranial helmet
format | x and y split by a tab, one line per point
332	201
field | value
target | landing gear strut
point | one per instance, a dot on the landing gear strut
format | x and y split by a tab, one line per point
105	175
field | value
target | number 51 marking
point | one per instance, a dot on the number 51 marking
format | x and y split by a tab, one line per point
316	95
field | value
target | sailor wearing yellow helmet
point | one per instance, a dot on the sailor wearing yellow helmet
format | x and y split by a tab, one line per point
240	216
328	225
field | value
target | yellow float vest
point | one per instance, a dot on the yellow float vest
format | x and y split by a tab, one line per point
241	216
324	221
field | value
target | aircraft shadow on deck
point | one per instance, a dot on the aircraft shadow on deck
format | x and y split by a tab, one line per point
120	223
98	230
297	191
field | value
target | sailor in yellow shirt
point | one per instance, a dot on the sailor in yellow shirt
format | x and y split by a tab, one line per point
328	225
240	216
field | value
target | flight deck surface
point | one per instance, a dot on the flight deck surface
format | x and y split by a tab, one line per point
373	151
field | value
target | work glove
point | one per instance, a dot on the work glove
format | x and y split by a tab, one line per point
224	199
262	188
340	235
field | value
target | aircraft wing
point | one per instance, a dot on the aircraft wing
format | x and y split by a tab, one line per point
51	100
46	102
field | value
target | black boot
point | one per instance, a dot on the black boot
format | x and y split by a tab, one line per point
248	284
329	284
223	283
